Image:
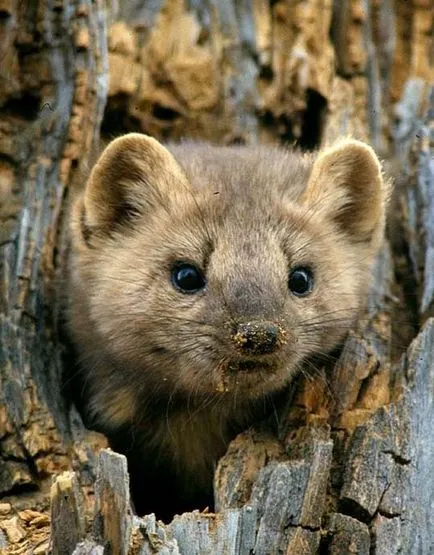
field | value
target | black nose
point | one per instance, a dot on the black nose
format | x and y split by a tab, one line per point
258	338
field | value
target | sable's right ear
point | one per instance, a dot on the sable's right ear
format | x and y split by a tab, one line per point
134	174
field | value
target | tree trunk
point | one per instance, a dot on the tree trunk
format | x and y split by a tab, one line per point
351	470
53	87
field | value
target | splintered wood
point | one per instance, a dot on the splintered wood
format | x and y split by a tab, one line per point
351	468
246	72
66	514
52	93
186	72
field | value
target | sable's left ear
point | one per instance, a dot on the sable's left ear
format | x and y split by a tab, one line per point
347	185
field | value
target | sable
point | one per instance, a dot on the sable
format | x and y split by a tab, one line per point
189	309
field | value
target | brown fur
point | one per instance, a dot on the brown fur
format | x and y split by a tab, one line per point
164	366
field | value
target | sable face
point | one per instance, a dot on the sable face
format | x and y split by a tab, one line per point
216	272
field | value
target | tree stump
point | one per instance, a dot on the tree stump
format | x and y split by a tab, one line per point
351	468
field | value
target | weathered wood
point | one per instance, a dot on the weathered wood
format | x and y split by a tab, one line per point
88	547
113	508
347	535
239	468
419	207
52	95
238	71
67	516
351	467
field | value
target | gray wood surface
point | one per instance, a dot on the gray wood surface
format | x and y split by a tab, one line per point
351	468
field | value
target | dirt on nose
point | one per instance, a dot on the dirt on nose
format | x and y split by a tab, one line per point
259	337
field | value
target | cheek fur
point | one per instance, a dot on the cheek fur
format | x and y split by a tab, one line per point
325	317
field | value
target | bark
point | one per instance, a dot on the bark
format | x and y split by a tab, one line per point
53	87
351	469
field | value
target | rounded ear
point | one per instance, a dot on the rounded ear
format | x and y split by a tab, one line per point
134	174
347	185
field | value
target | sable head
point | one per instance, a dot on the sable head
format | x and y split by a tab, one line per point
213	271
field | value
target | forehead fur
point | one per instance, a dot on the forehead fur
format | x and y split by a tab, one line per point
246	172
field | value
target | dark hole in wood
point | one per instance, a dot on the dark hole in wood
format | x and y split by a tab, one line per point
287	136
117	120
281	127
266	72
313	121
25	107
8	160
204	36
351	508
237	140
405	322
156	493
267	118
164	113
324	546
20	489
4	16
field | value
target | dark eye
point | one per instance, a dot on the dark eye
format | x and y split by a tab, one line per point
187	278
300	281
